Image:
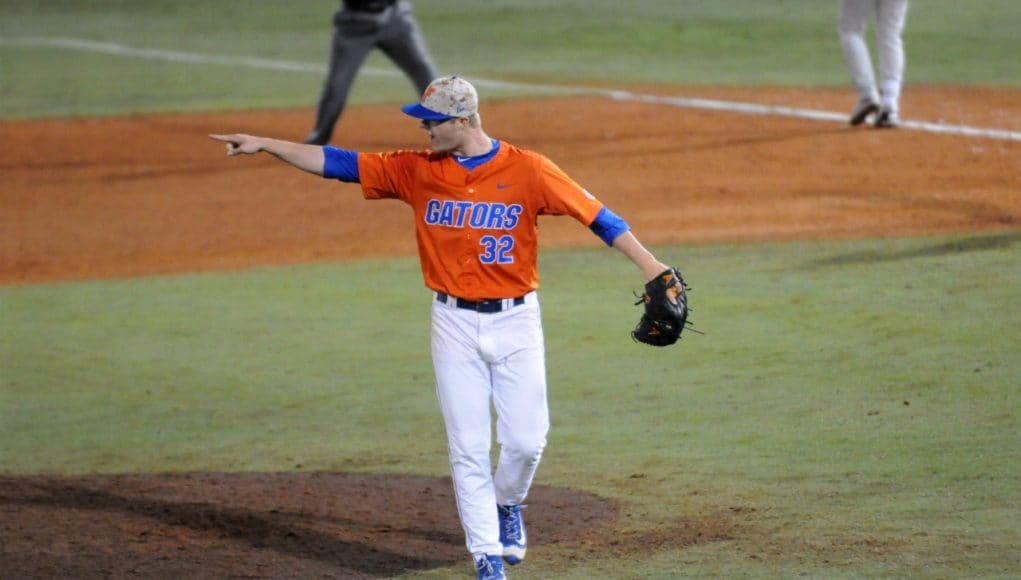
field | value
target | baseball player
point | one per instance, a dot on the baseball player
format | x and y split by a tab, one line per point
476	201
359	27
890	16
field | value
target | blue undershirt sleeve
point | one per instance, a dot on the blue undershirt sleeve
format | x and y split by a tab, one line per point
608	226
340	164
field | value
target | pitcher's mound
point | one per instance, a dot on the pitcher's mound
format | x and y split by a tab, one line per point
278	525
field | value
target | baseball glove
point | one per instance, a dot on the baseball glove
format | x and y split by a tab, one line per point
666	309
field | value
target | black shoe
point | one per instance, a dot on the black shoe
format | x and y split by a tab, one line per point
862	110
887	119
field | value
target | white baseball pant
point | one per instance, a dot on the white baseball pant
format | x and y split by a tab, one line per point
484	359
890	17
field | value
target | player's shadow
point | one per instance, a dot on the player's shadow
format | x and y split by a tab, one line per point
958	246
289	533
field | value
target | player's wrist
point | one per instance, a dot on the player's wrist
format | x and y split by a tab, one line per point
654	269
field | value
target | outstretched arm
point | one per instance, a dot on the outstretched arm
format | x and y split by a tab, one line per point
309	158
629	245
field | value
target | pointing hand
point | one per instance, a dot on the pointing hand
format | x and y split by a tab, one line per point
239	143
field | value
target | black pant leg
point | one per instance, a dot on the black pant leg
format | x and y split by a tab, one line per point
349	49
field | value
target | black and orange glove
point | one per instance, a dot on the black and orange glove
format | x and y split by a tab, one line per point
666	309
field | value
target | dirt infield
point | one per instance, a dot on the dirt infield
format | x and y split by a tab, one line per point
98	198
95	198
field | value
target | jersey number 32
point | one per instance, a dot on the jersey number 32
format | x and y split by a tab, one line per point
496	250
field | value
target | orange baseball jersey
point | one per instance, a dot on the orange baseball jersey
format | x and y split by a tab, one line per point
477	231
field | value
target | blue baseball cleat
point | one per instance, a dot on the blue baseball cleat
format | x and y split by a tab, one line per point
512	533
490	568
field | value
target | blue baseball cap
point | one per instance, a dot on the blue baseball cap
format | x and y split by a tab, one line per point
445	98
419	112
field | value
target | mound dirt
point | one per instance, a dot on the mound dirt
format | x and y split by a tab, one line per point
255	525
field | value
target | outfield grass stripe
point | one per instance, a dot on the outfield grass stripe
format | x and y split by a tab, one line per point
683	102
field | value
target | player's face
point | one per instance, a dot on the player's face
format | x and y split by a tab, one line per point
444	135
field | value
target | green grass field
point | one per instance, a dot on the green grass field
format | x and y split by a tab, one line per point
853	393
592	42
860	398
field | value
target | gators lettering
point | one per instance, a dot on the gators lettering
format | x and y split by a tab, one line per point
478	215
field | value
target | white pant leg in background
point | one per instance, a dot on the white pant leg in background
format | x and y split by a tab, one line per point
890	18
851	25
481	360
